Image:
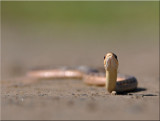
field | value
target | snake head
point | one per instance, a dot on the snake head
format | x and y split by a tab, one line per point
110	61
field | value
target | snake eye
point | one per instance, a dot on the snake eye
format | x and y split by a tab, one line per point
104	57
115	56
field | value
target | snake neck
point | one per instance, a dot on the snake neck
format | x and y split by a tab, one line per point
111	78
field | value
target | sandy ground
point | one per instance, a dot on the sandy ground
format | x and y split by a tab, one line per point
72	99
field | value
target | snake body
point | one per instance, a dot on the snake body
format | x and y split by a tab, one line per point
110	79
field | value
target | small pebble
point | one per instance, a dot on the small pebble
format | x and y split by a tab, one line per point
113	93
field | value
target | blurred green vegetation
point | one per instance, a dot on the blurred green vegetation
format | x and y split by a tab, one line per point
80	12
76	21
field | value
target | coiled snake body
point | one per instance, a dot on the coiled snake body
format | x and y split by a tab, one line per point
110	79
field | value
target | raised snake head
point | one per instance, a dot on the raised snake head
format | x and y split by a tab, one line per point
110	62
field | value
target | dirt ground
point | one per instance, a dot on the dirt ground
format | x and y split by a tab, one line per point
72	99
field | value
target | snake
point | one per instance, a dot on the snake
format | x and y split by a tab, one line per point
113	81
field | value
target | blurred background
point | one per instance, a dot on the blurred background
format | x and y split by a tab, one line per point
39	34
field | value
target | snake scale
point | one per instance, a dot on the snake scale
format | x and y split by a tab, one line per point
114	81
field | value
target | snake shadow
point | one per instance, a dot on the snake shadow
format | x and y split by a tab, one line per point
139	89
133	92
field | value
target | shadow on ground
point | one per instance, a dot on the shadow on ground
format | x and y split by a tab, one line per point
139	89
